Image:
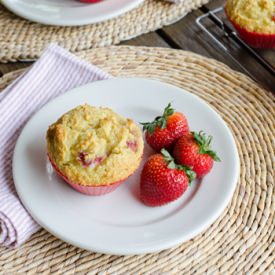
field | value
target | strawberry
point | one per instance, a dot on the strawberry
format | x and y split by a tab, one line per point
165	129
162	180
194	150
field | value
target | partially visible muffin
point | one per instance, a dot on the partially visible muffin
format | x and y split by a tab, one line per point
254	20
94	147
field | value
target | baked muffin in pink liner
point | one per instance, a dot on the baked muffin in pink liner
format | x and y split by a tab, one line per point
88	190
94	149
254	20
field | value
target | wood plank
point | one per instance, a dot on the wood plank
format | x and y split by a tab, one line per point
268	54
214	4
151	39
186	34
9	67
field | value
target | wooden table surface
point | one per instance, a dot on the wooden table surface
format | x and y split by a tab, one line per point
187	35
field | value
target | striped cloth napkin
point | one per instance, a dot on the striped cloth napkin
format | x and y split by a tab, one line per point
54	73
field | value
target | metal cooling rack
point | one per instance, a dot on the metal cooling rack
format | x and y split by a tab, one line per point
228	32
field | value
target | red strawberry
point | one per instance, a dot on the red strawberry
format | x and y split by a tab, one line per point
165	129
163	181
194	150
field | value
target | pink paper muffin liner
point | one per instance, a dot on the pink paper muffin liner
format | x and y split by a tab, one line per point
89	190
254	39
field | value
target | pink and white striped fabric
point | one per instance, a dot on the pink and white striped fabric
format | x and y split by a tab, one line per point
54	73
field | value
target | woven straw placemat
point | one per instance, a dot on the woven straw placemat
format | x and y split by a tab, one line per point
242	239
21	39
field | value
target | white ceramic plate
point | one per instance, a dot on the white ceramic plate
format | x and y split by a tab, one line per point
69	12
118	223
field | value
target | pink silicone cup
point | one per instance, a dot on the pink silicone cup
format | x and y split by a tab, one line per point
89	190
255	40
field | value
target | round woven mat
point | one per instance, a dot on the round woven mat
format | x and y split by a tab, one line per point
242	239
21	39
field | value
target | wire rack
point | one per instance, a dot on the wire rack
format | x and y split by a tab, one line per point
217	17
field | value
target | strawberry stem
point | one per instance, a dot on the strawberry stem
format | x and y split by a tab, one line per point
204	144
166	155
191	175
159	121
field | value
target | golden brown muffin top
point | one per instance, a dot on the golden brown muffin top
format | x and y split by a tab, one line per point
95	146
253	15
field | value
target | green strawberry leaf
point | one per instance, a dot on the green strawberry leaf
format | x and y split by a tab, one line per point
172	165
213	155
199	138
191	175
168	111
166	155
204	144
159	121
163	123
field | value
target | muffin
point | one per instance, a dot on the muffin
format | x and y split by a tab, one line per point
254	20
94	149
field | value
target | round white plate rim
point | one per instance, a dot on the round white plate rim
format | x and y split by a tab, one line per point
140	250
11	5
